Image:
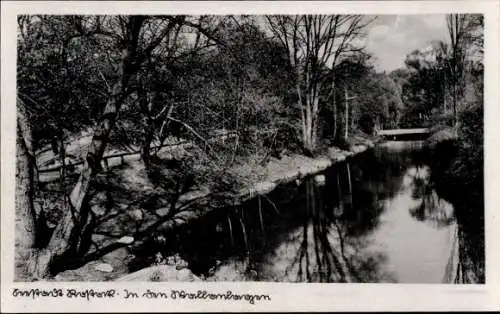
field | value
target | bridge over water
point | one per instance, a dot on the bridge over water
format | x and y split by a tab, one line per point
405	134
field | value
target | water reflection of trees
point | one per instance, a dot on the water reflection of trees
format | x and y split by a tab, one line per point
334	235
321	234
325	263
431	207
331	243
327	252
376	176
466	260
334	239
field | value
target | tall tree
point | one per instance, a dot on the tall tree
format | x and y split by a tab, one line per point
315	45
427	84
466	39
456	29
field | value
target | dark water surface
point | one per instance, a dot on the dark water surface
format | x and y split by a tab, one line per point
374	218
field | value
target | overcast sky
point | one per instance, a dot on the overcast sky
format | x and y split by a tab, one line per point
392	37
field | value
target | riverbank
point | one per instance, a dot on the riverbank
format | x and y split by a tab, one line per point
458	162
441	135
111	266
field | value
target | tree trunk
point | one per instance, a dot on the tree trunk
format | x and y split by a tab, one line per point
455	100
443	91
31	229
307	130
353	117
349	177
334	102
309	115
148	133
346	134
62	159
146	145
314	120
25	188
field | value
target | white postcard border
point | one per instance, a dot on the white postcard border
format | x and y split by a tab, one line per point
284	296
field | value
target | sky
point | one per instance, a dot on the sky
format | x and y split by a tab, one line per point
392	37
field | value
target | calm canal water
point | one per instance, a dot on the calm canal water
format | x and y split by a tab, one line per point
375	218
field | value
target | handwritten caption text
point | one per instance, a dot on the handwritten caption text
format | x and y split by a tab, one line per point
90	294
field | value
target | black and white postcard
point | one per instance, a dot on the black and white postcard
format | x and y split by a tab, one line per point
250	156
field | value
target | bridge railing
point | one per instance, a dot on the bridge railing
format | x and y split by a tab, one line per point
395	132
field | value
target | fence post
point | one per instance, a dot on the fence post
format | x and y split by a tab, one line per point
106	164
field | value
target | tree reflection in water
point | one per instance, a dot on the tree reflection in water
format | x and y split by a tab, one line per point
431	208
329	233
331	243
464	265
318	259
336	233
